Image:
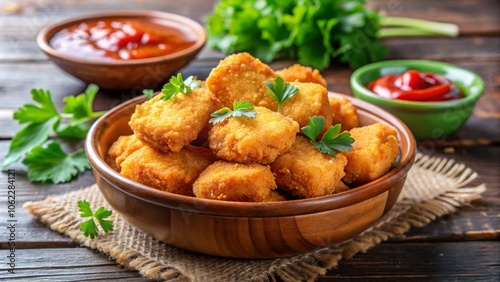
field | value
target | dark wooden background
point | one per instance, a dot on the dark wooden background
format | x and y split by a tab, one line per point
459	247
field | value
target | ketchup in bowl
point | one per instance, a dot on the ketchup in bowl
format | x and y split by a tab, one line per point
120	39
416	86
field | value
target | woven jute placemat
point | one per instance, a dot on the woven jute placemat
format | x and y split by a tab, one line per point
434	187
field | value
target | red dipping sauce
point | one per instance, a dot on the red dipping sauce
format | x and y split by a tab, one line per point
120	39
416	86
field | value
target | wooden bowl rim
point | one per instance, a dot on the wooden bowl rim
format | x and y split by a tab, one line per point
47	32
252	209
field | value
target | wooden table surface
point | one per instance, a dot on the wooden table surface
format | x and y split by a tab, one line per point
460	247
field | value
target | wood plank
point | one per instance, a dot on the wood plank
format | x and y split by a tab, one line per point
66	264
463	261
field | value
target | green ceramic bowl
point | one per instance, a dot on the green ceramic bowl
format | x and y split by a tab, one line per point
426	120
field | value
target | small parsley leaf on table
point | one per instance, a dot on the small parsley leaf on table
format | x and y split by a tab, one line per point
177	85
331	142
89	227
240	108
281	91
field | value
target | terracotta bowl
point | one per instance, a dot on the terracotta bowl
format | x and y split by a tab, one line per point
241	229
126	74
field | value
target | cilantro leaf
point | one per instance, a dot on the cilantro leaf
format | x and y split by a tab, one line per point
72	130
79	108
316	125
89	227
37	114
331	142
177	85
52	164
281	91
42	120
240	108
28	138
100	215
148	93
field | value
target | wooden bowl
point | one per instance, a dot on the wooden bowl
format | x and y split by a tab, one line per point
242	229
126	74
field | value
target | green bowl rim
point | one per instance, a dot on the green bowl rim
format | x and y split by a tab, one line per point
470	98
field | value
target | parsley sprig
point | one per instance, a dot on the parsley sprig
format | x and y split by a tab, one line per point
177	85
89	227
241	108
331	142
51	163
281	91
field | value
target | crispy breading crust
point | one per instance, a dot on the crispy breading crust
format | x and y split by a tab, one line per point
253	140
375	149
301	73
344	112
170	125
121	149
242	77
305	172
235	182
173	172
311	100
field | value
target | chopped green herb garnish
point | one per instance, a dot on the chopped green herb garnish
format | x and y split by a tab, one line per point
281	91
331	142
148	93
89	227
240	108
177	85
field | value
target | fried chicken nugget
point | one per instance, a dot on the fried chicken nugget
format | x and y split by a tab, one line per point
230	181
173	172
305	172
121	149
375	150
311	100
169	125
344	112
253	140
301	73
242	77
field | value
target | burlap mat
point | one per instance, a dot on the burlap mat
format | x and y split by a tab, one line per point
434	187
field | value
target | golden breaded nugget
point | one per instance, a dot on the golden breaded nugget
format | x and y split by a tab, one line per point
253	140
344	112
121	149
305	172
341	187
169	125
301	73
173	172
242	77
311	100
375	149
235	182
274	196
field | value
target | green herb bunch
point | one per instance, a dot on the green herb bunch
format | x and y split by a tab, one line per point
316	32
